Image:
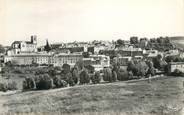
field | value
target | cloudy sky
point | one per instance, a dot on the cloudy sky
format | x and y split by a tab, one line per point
85	20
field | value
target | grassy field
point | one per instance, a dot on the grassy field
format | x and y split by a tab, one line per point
163	96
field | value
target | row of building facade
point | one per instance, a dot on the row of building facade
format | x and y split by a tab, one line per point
98	61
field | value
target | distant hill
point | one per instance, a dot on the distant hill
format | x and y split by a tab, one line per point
178	41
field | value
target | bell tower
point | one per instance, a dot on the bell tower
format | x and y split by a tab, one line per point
34	39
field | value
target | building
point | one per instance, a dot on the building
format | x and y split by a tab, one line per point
97	61
20	47
172	53
176	65
63	58
28	59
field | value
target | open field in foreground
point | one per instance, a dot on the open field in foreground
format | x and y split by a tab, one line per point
163	96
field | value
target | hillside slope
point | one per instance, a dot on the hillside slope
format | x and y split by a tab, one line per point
163	95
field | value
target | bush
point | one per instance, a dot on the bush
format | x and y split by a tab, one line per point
84	77
96	78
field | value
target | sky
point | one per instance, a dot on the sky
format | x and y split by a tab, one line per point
86	20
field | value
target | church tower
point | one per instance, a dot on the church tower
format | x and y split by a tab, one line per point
34	39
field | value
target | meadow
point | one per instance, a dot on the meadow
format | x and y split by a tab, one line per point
163	96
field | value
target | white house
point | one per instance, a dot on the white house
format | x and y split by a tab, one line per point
176	65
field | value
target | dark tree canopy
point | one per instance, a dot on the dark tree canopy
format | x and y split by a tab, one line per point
133	40
120	42
66	68
2	50
86	54
47	46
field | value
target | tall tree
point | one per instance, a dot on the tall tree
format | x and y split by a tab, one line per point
133	40
47	46
120	43
2	50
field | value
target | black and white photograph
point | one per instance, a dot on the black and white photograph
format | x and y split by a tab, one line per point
91	57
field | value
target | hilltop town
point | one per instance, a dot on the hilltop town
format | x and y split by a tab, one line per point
99	54
27	68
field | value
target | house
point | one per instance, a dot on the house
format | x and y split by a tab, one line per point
19	47
176	65
172	53
97	61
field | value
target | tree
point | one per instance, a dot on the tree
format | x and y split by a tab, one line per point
75	75
159	63
84	77
114	76
142	69
120	43
86	54
44	82
70	79
2	50
66	68
151	69
29	83
58	82
96	78
90	68
107	74
132	67
134	40
79	64
47	46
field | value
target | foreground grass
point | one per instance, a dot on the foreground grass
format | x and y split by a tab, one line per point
163	96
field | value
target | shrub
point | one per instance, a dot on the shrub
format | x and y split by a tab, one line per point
96	78
84	77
